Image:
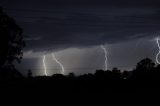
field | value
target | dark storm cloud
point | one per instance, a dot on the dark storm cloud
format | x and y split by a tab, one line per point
63	24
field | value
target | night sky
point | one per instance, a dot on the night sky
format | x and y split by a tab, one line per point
75	29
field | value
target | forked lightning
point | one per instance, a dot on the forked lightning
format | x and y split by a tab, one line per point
44	65
157	41
105	55
62	68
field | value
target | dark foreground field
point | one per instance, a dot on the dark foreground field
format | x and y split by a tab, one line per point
49	91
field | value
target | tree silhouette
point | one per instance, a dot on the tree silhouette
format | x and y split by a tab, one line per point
145	64
29	73
144	70
11	42
71	75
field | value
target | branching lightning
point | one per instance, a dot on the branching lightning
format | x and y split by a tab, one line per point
54	57
105	55
157	41
44	64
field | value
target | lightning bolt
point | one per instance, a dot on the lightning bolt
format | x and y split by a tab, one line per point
157	41
44	64
105	55
54	58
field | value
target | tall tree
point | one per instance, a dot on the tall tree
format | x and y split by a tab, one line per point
11	41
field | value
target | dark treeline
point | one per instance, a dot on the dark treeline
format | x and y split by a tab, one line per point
146	75
109	87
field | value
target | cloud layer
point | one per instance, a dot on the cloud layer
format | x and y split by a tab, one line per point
57	25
